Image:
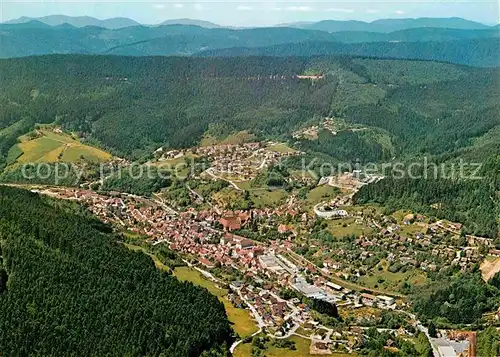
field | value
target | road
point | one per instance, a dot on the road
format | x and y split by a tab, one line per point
236	343
255	313
210	172
424	329
200	197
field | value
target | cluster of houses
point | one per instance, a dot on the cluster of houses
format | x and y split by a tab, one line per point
312	131
237	161
268	305
211	238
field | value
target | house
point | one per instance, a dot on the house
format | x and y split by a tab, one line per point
387	300
321	345
207	263
368	298
334	286
230	223
244	243
495	252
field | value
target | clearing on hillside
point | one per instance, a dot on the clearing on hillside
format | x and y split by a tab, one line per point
489	267
54	146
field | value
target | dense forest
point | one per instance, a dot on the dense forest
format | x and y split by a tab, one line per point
480	52
72	289
488	343
131	106
462	299
473	202
142	180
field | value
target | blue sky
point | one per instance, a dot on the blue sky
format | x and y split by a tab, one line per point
253	13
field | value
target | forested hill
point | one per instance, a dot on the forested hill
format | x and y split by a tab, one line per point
132	105
481	52
388	25
475	202
73	290
38	38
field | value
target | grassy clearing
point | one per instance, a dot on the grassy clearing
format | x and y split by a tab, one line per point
362	312
389	281
264	198
10	130
208	140
281	148
57	147
302	350
238	138
346	227
244	185
177	166
322	193
241	320
14	153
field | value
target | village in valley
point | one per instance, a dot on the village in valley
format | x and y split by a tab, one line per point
303	263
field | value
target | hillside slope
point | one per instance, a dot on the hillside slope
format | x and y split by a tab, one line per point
389	25
482	52
132	106
74	290
37	38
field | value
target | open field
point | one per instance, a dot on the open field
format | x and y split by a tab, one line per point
389	281
241	320
301	344
346	227
363	312
177	165
489	267
50	147
12	128
265	198
322	193
281	148
244	185
238	138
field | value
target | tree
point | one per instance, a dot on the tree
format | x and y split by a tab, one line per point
432	329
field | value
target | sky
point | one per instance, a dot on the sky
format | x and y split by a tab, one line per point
253	13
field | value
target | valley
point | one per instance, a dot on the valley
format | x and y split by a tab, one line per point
268	283
189	189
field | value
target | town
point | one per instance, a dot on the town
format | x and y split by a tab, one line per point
267	277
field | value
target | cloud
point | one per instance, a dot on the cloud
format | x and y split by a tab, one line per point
336	9
371	11
198	7
277	9
245	8
298	8
399	12
159	6
178	6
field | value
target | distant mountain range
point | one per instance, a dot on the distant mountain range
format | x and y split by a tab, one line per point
383	25
201	23
78	21
390	25
474	47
